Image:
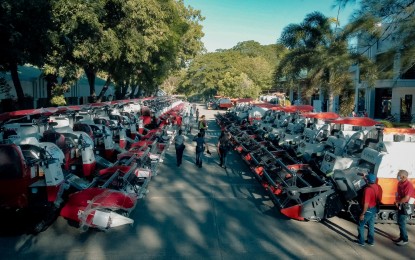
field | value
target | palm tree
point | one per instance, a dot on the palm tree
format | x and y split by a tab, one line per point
319	55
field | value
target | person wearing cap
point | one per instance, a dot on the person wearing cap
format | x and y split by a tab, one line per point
372	194
405	192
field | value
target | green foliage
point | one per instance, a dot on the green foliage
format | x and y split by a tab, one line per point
318	55
386	21
386	123
23	35
58	101
242	71
5	88
401	125
134	42
171	84
347	102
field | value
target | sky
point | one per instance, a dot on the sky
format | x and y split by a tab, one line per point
228	22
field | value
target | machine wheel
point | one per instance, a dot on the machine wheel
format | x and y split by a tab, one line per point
83	228
48	216
383	215
40	227
394	216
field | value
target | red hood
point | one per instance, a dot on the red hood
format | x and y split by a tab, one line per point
298	108
357	121
322	115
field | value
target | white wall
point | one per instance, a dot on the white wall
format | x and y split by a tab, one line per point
78	90
397	94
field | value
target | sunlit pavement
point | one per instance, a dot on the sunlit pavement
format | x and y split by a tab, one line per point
207	213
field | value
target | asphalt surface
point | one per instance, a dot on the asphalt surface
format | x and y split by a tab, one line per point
207	213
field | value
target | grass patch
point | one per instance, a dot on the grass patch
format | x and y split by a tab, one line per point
389	124
402	125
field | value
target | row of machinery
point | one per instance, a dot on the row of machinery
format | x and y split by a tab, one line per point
89	164
313	165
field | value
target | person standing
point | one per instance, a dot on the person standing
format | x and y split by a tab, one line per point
186	123
202	125
405	192
200	148
193	110
372	195
197	114
224	146
179	146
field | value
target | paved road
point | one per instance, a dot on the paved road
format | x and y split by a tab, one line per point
207	213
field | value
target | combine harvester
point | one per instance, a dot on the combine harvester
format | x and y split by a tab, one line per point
320	172
79	162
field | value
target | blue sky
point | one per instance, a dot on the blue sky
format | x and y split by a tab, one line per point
228	22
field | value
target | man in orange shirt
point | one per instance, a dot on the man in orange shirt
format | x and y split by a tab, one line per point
372	194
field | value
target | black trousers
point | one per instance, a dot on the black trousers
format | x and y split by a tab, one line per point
202	132
223	154
179	154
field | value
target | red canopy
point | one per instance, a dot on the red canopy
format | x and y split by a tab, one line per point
28	112
322	115
357	121
298	108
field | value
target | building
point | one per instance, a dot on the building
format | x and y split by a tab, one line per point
34	86
393	92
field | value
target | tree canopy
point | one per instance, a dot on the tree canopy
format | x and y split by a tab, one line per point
242	71
136	43
23	36
391	22
318	55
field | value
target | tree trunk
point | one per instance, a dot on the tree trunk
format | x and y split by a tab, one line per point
90	73
137	95
16	82
104	89
119	90
331	102
133	89
51	80
125	90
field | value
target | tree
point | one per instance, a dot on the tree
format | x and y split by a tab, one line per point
84	38
137	43
171	84
386	20
319	55
23	36
242	71
4	86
